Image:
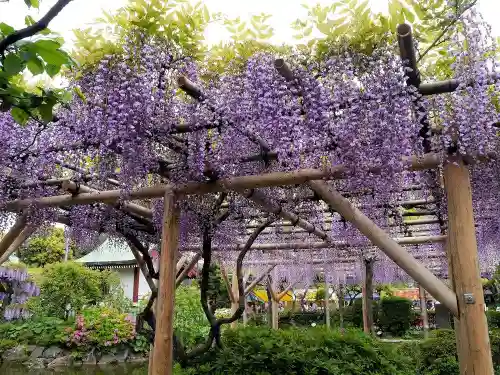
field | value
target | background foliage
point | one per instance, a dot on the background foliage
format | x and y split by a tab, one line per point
71	285
395	315
46	248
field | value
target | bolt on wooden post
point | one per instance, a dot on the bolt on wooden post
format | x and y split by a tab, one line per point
475	354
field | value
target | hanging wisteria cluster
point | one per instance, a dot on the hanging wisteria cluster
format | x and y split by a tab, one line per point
130	126
15	289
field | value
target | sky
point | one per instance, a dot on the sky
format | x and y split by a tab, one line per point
81	13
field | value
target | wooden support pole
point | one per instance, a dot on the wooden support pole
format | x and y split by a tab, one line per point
385	243
327	302
273	305
275	313
227	284
475	354
341	306
368	296
13	233
163	360
423	311
23	236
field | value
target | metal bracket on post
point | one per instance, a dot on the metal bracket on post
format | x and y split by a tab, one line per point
469	298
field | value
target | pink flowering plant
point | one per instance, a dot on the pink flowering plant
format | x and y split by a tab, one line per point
102	328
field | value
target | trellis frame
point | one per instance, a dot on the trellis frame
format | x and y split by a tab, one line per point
474	353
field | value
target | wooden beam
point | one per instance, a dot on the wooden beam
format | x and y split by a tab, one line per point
13	233
23	236
133	208
296	245
229	289
268	205
385	243
475	354
254	283
163	360
272	179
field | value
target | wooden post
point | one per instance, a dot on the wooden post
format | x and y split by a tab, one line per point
423	311
163	360
151	346
327	302
341	306
275	313
273	305
368	296
235	297
462	349
475	353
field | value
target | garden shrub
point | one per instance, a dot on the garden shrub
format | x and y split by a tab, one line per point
301	351
100	328
45	248
438	354
493	318
72	284
43	331
190	323
395	315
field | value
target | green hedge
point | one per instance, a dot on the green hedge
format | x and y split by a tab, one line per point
396	315
262	351
438	354
493	318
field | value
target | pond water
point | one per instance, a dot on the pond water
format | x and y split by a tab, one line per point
112	370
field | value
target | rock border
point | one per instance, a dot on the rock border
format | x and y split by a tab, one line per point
38	357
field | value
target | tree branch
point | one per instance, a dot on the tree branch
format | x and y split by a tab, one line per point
445	30
239	265
29	31
144	252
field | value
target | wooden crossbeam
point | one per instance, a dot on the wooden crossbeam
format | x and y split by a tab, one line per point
385	243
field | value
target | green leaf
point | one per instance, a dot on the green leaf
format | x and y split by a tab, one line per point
28	3
409	15
47	44
35	3
35	66
52	70
13	64
6	29
28	20
19	115
45	111
49	52
324	28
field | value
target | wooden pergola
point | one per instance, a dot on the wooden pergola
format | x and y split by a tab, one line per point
464	300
